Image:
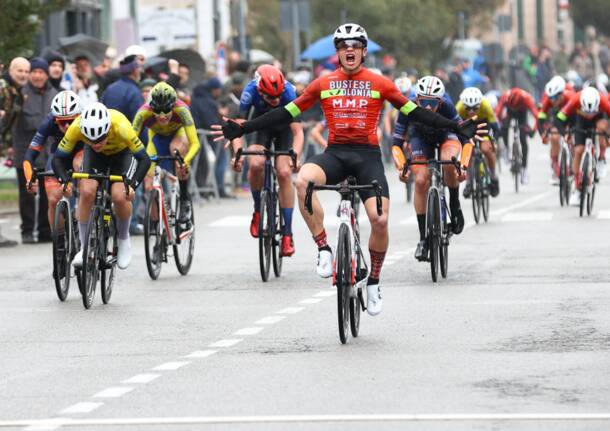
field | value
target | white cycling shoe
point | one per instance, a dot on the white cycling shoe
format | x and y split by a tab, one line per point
575	197
602	170
77	262
325	263
124	254
374	301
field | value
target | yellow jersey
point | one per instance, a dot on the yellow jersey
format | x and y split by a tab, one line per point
485	111
121	136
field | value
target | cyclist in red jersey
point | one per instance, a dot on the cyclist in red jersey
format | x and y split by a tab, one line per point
589	110
556	95
352	98
515	103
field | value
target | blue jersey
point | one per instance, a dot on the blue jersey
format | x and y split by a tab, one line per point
430	135
251	98
48	129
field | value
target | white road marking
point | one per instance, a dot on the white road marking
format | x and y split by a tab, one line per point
527	216
171	366
290	310
409	221
3	220
226	343
412	417
270	320
603	215
248	331
521	204
114	392
85	407
310	301
142	378
325	293
232	221
201	354
50	425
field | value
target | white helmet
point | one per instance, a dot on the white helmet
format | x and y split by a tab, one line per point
492	98
350	31
574	78
404	84
589	100
555	86
95	121
135	50
471	97
65	104
430	86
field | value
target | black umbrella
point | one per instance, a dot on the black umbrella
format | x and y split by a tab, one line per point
190	58
83	44
156	65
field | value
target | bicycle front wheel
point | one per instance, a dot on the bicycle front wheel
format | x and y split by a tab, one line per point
265	238
110	249
184	247
433	231
486	181
62	249
516	164
564	194
91	256
584	184
344	281
476	195
278	224
152	235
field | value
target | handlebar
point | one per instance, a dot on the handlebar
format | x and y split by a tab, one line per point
454	161
267	154
177	157
102	177
343	188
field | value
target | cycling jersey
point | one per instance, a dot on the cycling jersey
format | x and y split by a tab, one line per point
420	132
351	104
121	136
181	117
548	108
484	113
252	99
48	130
573	108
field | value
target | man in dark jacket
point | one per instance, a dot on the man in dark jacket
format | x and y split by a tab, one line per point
57	66
38	94
455	86
124	95
11	104
206	111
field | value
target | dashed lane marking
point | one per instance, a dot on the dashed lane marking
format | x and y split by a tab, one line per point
270	320
200	354
114	392
248	331
226	343
171	366
290	310
527	216
310	301
325	294
142	378
604	215
85	407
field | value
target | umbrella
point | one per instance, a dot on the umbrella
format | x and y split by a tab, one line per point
83	44
260	56
324	48
190	58
156	65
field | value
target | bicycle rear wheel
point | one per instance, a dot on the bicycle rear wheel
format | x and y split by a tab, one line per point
485	181
110	248
476	194
265	235
343	281
91	256
584	184
591	191
184	247
62	249
433	219
278	223
152	235
516	164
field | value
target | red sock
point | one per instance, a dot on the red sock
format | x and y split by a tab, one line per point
377	258
320	239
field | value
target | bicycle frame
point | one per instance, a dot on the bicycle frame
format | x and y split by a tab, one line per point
167	217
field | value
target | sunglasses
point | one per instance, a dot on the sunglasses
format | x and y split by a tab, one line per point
344	44
162	112
428	103
473	108
64	122
268	97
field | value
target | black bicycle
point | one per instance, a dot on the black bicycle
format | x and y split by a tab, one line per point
271	222
101	246
350	270
65	238
516	161
438	228
588	169
479	179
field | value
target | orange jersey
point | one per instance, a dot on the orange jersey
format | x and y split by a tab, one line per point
548	106
352	104
573	107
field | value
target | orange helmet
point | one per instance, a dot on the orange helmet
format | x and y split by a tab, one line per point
269	80
515	98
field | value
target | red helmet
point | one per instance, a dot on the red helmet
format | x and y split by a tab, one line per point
269	80
515	98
